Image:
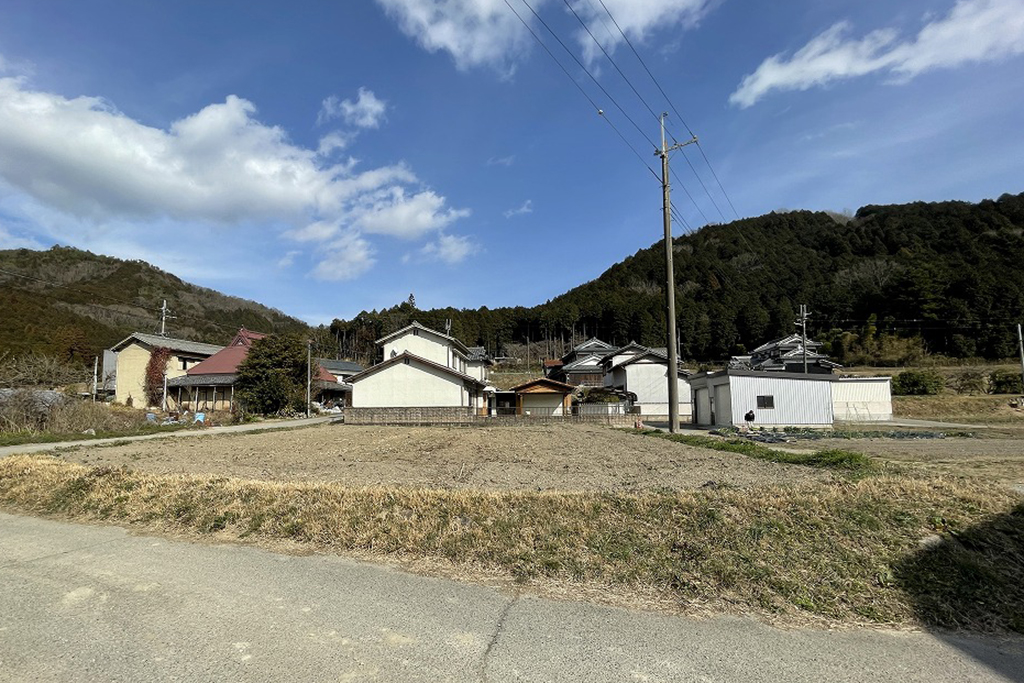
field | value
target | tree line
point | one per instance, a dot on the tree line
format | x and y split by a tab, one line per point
887	286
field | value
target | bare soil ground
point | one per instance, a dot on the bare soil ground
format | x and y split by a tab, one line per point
556	457
995	455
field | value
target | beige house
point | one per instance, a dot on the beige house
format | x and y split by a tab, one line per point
423	368
133	354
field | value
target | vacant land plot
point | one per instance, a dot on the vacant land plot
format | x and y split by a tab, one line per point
531	458
993	456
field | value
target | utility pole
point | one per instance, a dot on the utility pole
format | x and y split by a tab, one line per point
1020	344
96	369
164	318
670	280
802	322
309	372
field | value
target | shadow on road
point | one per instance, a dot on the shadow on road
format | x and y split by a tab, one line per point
973	580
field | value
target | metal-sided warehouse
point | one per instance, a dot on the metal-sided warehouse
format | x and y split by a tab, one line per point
779	399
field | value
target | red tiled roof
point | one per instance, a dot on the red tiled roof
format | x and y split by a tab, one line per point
227	360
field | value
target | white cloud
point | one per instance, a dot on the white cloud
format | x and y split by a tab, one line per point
83	159
527	207
636	18
502	161
450	249
973	31
367	111
332	142
288	259
473	32
488	33
392	212
345	258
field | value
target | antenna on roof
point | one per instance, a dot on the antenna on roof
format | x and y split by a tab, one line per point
164	318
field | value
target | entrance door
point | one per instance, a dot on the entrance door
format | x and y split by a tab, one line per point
723	405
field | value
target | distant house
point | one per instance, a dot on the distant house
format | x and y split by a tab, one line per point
210	385
786	355
134	352
582	365
342	369
423	368
642	373
543	398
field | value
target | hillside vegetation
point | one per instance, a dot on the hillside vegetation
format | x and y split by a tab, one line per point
71	304
886	285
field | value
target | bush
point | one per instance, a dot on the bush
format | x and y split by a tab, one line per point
1005	382
968	381
917	383
32	411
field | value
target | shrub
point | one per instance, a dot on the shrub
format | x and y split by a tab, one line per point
155	370
917	383
968	381
1005	382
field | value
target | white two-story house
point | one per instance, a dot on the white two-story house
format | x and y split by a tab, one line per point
423	368
643	372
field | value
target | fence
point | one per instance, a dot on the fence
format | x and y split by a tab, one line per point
467	417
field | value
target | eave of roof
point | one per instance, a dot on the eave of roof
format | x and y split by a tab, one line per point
565	388
455	342
156	341
220	380
412	357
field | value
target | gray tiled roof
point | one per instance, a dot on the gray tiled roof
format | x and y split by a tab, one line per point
202	381
339	366
182	345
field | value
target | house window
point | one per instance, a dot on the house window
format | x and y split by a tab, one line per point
765	402
415	332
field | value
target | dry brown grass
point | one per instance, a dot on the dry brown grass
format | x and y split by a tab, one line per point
981	409
841	551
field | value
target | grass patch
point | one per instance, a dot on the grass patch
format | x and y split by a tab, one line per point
20	438
848	550
833	458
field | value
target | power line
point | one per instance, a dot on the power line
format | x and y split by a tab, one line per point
670	104
586	71
583	92
609	57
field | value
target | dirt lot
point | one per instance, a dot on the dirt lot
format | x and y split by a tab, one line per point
994	455
558	457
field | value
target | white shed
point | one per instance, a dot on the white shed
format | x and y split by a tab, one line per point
787	399
862	399
778	399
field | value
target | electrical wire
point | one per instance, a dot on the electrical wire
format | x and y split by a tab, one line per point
587	71
670	104
583	92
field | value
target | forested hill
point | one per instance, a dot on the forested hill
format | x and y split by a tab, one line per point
889	281
72	304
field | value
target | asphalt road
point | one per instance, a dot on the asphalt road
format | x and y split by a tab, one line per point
92	603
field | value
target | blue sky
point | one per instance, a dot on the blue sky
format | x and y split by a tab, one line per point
326	158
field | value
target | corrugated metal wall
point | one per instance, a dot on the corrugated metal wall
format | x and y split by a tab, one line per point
862	400
798	402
